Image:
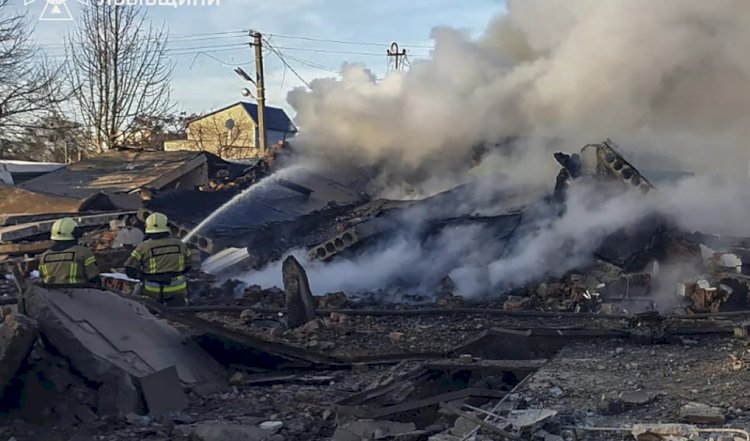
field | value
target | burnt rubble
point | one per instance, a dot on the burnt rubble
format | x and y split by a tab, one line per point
618	346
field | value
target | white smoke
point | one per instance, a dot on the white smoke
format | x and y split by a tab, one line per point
557	245
667	77
668	80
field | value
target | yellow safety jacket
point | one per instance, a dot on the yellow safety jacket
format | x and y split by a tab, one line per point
75	265
162	262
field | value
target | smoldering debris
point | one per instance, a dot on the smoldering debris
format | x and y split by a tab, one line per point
602	211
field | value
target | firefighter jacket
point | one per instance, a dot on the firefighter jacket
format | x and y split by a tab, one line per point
75	265
162	264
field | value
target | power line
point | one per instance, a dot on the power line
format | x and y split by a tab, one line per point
172	54
240	31
223	46
356	43
312	64
281	57
170	39
328	51
225	63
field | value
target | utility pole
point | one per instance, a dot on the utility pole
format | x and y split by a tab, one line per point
259	82
395	53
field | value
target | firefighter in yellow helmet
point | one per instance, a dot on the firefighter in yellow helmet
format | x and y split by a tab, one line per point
160	263
66	263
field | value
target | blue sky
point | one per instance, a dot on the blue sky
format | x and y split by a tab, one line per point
204	59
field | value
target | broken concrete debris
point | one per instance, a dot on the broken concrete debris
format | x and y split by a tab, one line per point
300	305
699	413
376	430
231	432
118	346
17	335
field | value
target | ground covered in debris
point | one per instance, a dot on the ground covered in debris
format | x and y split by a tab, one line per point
617	383
365	335
303	403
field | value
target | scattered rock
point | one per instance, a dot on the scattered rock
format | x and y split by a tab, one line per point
326	345
137	420
515	303
339	319
367	429
396	336
310	328
248	315
636	398
521	419
182	418
333	300
466	358
272	426
230	432
699	413
556	392
740	332
238	379
452	301
619	403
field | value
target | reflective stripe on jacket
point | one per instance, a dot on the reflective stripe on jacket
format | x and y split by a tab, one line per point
164	257
176	285
75	265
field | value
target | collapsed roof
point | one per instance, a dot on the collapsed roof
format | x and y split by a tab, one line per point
121	172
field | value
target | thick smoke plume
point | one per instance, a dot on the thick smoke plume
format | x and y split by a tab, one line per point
667	78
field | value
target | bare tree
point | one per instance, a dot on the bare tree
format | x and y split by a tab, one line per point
27	84
53	138
150	132
119	69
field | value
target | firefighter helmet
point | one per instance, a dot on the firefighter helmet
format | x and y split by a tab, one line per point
63	229
157	223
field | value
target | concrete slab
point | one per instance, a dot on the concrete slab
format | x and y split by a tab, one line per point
300	305
162	392
230	432
98	329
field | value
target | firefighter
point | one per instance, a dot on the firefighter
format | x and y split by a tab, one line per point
67	264
160	263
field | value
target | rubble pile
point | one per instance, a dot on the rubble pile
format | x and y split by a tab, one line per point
565	356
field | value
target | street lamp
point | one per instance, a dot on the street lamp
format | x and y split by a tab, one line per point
242	74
